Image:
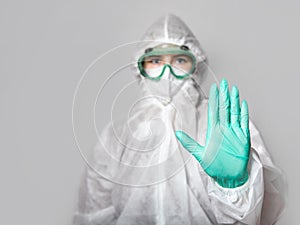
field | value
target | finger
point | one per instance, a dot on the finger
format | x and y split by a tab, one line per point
224	104
235	107
245	118
190	144
213	106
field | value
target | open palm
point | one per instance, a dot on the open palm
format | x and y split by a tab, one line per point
226	152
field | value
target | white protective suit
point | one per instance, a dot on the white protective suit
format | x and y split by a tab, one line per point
140	174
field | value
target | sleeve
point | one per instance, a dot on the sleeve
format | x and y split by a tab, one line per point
95	202
260	200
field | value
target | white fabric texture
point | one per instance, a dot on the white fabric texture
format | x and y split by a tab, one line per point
140	174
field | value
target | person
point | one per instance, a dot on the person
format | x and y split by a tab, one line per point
181	157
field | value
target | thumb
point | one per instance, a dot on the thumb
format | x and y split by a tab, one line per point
190	144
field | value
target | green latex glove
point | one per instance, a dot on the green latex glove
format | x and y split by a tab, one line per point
226	152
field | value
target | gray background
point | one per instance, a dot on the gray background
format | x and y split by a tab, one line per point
46	45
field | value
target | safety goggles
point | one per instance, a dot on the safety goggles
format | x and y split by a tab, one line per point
178	59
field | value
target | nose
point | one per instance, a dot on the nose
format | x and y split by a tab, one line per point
167	59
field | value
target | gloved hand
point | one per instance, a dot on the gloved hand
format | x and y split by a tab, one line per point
226	152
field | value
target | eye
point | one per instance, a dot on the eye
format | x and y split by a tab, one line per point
155	61
181	60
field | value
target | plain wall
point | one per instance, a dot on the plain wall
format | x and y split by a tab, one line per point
45	46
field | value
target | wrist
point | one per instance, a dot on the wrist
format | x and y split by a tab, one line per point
232	183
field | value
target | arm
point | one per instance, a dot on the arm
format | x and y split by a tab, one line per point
273	179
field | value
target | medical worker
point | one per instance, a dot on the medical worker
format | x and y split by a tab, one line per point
181	157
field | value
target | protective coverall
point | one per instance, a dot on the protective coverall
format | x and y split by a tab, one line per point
140	174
